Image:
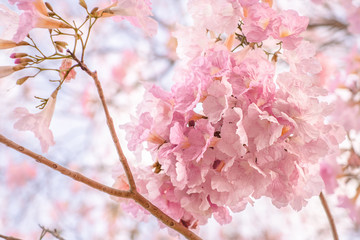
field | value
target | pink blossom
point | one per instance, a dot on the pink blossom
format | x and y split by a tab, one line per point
220	16
35	15
137	12
287	27
38	123
354	19
352	206
120	71
258	23
18	174
66	64
329	170
231	130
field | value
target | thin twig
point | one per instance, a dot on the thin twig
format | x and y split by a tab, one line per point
54	232
329	216
133	194
9	238
109	120
57	167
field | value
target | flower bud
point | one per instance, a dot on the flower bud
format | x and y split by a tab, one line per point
5	44
60	45
20	81
49	6
18	55
83	4
23	60
93	12
18	67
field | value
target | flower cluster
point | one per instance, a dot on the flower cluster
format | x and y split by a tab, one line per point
232	129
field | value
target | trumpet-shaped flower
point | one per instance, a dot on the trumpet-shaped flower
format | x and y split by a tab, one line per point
35	15
38	123
137	12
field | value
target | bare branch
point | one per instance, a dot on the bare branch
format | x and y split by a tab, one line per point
57	167
54	232
133	194
9	238
109	120
329	216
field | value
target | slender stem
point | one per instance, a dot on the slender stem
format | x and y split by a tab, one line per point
72	174
9	238
110	122
329	216
132	194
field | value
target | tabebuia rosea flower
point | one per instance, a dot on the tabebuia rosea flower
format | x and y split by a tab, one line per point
137	12
34	15
38	123
233	128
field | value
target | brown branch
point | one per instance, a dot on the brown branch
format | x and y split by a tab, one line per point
54	233
331	23
57	167
9	238
329	216
133	194
109	120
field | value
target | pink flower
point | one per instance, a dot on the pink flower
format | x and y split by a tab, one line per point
354	19
258	23
329	170
65	66
38	123
35	15
287	27
220	16
18	174
231	130
137	12
352	206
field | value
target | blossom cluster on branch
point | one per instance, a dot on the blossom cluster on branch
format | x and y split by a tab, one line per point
233	129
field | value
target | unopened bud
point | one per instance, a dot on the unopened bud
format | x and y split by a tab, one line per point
20	81
18	67
22	43
94	10
18	55
23	60
83	4
61	44
49	6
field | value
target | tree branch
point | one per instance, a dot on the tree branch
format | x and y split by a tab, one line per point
132	194
9	238
72	174
329	216
109	120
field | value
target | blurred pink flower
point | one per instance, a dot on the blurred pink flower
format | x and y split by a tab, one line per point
352	206
38	123
137	12
220	16
329	170
18	174
121	70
